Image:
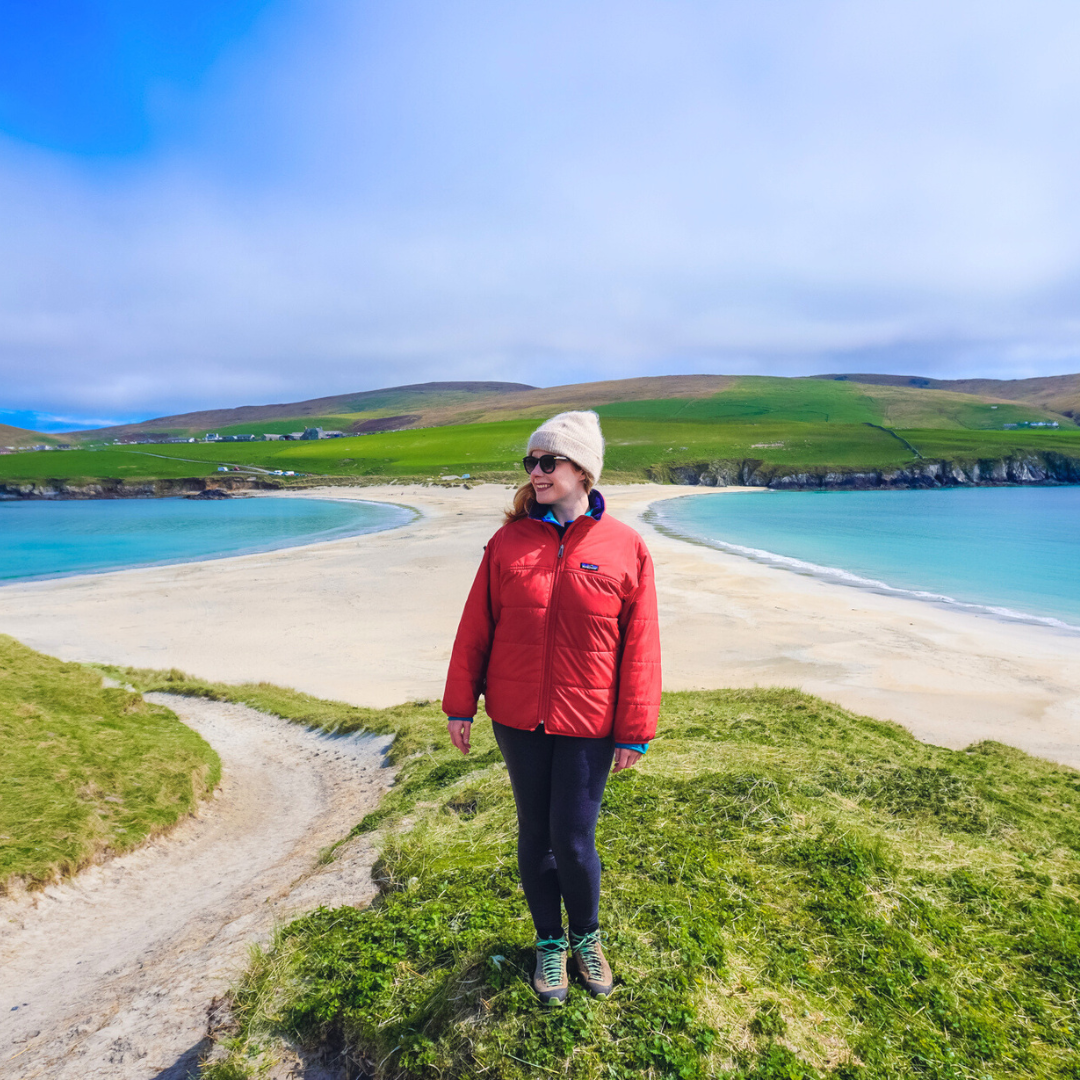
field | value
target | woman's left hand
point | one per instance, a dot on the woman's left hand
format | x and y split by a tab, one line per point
625	759
460	732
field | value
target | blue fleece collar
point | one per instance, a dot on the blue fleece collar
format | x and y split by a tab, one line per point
596	510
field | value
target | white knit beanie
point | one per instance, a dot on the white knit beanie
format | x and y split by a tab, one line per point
575	435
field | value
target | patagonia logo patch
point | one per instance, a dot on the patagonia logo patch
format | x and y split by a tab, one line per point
589	566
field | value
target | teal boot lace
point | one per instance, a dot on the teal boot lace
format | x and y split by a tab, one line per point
551	950
587	947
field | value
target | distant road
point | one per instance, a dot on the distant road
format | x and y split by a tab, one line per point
203	461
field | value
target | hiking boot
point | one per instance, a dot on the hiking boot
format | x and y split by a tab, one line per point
549	980
589	963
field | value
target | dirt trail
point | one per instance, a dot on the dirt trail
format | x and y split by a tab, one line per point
111	975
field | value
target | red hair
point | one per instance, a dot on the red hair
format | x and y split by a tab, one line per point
524	501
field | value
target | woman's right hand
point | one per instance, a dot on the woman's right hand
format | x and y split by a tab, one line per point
460	730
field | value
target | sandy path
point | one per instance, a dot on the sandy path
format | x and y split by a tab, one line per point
113	973
371	620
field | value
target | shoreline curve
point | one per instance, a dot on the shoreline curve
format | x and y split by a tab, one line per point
836	575
414	513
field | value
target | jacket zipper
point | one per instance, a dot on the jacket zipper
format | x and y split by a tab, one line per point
549	644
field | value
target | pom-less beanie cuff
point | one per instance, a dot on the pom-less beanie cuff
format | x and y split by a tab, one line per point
575	435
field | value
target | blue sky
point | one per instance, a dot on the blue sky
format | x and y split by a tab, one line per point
214	204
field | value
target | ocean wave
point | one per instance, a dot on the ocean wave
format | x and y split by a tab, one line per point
837	575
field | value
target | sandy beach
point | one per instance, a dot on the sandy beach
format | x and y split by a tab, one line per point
371	620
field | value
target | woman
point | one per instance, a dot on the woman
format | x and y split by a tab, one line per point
560	635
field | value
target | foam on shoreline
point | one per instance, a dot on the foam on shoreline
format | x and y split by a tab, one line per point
837	575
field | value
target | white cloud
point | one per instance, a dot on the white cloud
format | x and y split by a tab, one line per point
365	195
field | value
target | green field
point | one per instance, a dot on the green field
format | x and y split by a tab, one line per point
790	891
83	769
812	400
796	424
815	401
495	449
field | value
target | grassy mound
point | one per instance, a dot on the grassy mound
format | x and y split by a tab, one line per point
85	769
790	891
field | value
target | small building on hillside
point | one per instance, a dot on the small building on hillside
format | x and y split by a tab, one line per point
312	433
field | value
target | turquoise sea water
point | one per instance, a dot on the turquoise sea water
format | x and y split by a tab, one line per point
48	539
1010	552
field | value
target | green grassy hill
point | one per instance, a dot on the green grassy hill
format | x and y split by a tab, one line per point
338	412
654	427
816	401
703	397
636	447
1058	393
84	769
790	891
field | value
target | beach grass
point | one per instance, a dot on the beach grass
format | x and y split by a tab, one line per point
84	769
790	891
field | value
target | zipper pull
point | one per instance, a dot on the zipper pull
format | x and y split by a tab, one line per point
561	546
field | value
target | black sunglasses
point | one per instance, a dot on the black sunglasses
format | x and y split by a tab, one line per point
545	461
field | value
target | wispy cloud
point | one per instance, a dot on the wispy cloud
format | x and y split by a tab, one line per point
359	195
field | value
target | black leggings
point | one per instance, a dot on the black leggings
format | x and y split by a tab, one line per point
558	783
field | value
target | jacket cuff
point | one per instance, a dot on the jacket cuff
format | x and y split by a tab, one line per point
464	719
640	747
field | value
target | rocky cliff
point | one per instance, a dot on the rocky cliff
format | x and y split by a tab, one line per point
1037	468
122	489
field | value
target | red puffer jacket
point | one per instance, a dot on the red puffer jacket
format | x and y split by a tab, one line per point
562	631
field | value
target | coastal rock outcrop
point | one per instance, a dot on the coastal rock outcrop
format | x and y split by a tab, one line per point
140	489
1045	467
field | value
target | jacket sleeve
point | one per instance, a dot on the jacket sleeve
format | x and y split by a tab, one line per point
638	705
472	646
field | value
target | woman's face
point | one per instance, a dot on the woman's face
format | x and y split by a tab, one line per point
566	482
